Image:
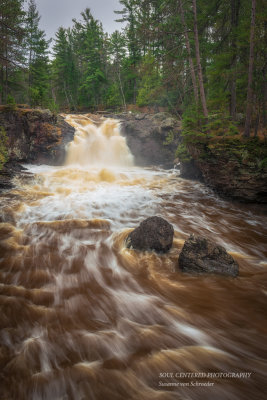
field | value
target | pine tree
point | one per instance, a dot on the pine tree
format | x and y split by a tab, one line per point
89	43
117	49
38	60
250	71
12	33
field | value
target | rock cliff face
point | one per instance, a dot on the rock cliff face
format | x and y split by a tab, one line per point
232	168
152	138
35	136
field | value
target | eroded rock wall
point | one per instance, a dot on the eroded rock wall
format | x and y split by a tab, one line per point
152	138
35	136
231	168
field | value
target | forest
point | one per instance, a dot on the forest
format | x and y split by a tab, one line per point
194	58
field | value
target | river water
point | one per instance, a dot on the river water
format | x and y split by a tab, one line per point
82	317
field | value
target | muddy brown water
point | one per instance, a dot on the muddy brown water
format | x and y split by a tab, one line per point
82	317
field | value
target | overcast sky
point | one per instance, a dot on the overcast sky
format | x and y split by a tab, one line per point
56	13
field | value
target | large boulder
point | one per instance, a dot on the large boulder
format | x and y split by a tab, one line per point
154	233
200	255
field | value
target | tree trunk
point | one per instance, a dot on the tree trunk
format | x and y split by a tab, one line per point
191	64
250	72
264	86
2	85
235	7
66	95
199	69
121	88
264	102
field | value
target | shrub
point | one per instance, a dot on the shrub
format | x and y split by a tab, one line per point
182	153
11	104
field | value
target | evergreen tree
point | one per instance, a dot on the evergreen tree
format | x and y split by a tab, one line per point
90	49
117	55
64	69
38	60
12	33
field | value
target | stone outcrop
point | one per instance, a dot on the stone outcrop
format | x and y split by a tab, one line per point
154	233
152	138
9	171
35	135
231	168
202	256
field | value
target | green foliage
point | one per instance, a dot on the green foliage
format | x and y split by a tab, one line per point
3	147
53	106
11	103
182	153
169	139
195	127
12	51
10	100
113	96
150	82
38	61
147	63
263	164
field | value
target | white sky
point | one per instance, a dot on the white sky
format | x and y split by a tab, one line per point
56	13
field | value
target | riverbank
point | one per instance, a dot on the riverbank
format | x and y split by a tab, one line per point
231	165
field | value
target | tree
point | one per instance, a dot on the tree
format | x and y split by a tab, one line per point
38	60
150	89
199	68
188	47
235	9
250	71
118	54
129	15
12	33
89	44
64	69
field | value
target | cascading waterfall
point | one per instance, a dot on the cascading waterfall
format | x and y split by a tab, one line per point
97	145
82	317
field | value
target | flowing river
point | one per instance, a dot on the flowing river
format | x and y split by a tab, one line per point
84	318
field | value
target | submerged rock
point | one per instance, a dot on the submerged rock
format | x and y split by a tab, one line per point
201	255
154	233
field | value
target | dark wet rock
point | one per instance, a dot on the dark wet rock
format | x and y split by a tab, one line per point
232	168
202	256
152	138
154	233
35	135
10	171
189	170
